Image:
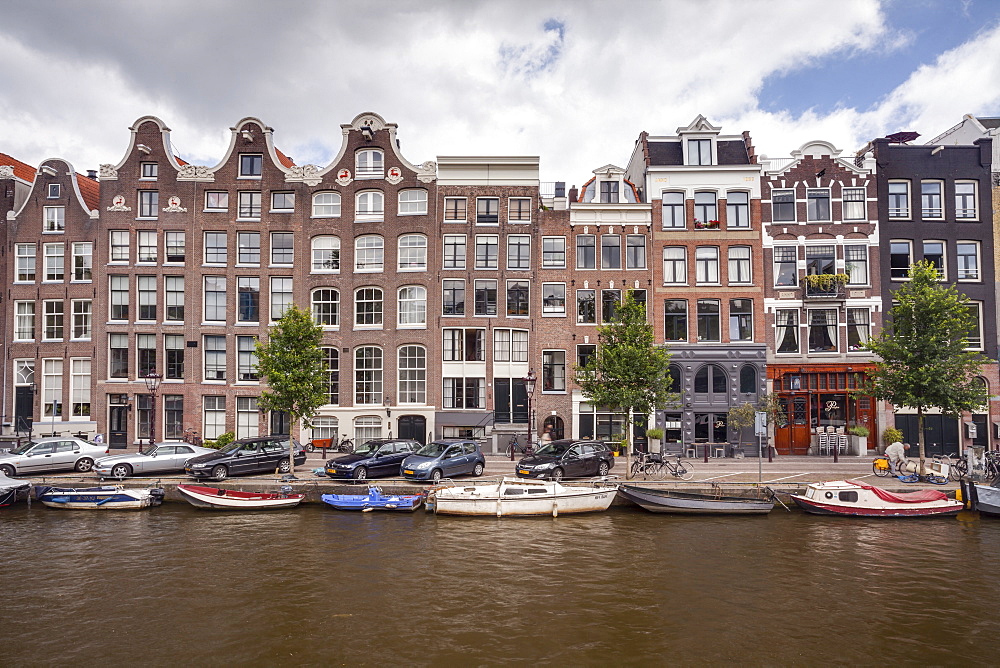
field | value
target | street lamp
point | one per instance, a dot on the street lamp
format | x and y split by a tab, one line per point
387	402
152	384
529	388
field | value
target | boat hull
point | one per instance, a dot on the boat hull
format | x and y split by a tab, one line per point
100	498
406	503
820	508
212	498
550	498
689	503
988	500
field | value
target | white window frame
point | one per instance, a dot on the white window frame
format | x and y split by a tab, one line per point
326	209
965	213
704	263
221	201
411	307
963	273
737	264
369	206
411	252
26	259
375	250
464	207
412	202
675	262
55	262
847	204
517	216
280	202
451	258
553	252
930	212
258	164
374	317
369	163
82	326
411	379
325	254
54	218
943	269
368	376
518	252
898	202
248	203
24	320
280	299
325	305
554	300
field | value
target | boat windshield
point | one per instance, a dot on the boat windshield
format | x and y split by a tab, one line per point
554	448
432	449
23	449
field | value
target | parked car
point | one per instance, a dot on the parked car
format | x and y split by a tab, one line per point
567	458
246	457
444	459
52	454
375	458
158	458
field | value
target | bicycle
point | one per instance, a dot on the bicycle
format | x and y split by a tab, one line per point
880	467
191	437
957	466
514	447
679	468
648	465
991	465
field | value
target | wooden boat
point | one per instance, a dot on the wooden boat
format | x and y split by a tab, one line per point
756	501
11	490
844	497
374	500
988	499
99	498
522	497
214	498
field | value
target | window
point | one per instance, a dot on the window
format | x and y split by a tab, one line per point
326	307
367	427
412	255
174	242
674	265
369	206
248	248
518	251
146	354
368	307
52	373
119	297
635	251
554	370
783	206
675	320
249	204
149	201
55	262
586	251
464	345
899	199
699	151
855	204
822	330
741	320
118	355
118	251
705	210
673	210
858	328
331	359
216	251
214	419
24	372
54	190
282	248
247	417
326	205
55	218
369	253
968	260
146	294
215	358
216	200
454	251
453	297
173	347
510	345
819	260
248	299
554	298
79	384
148	170
611	251
517	298
738	209
739	264
246	361
934	253
251	165
281	296
965	199
817	204
369	164
609	192
519	210
554	252
707	264
368	376
464	393
412	202
786	328
487	211
173	288
899	259
147	245
24	326
711	380
215	298
487	251
975	338
610	299
282	202
82	318
485	297
325	254
412	306
856	264
586	307
455	209
412	370
930	199
709	325
26	262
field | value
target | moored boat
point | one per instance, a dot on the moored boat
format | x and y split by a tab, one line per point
756	501
845	497
214	498
99	498
988	499
523	497
11	490
374	500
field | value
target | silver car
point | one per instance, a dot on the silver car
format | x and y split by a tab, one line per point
158	458
52	454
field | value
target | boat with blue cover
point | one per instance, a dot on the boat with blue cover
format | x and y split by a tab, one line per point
99	498
374	500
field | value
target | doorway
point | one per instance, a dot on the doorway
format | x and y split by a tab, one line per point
117	423
413	426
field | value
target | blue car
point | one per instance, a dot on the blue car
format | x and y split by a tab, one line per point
444	459
374	459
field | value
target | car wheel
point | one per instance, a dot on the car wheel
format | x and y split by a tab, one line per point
602	469
284	466
84	465
360	473
557	474
220	473
7	470
436	476
121	471
478	469
310	447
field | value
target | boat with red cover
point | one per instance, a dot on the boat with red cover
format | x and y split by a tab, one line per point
845	497
215	498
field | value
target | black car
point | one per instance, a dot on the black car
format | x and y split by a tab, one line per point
567	458
247	456
375	458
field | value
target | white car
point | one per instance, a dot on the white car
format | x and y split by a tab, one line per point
159	458
52	454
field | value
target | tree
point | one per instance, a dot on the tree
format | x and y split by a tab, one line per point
292	364
741	417
627	371
924	362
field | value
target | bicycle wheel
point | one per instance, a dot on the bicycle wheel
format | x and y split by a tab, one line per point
880	471
937	480
661	471
635	469
685	471
510	451
958	470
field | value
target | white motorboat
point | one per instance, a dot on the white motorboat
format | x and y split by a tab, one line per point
522	497
215	498
988	499
846	497
99	498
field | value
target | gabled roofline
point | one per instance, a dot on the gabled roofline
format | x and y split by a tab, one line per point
110	172
70	172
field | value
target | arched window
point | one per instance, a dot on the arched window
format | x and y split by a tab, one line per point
412	202
369	253
368	375
675	378
325	253
366	428
412	306
748	380
412	253
326	307
368	307
369	164
412	368
710	383
369	205
326	205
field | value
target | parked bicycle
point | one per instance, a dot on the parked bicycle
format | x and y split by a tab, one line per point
514	447
991	465
957	466
656	466
191	436
345	445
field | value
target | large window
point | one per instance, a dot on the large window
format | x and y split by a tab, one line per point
173	290
79	386
173	347
118	355
247	417
251	165
331	359
487	211
369	253
52	374
412	202
463	345
823	330
674	265
610	299
454	251
369	205
282	248
325	254
738	209
282	202
699	151
707	264
586	307
739	264
609	192
369	164
741	320
554	298
24	322
856	264
246	363
931	197
783	206
146	348
412	306
214	417
519	210
554	252
611	251
899	199
968	260
673	210
326	307
518	251
82	318
412	255
934	253
487	251
706	214
248	299
900	259
975	338
965	199
326	205
464	393
215	298
215	357
119	297
553	370
368	376
855	204
675	320
248	248
368	307
281	296
485	297
216	201
586	251
455	209
147	243
174	243
55	218
517	298
149	200
510	345
453	296
817	204
786	330
635	251
412	370
55	262
146	293
25	257
215	248
858	328
709	323
249	204
820	260
54	320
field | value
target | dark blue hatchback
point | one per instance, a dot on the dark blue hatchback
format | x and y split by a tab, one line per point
374	459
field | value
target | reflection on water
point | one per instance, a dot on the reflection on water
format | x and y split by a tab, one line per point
312	586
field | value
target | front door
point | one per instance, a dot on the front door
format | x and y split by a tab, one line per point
413	426
118	427
24	401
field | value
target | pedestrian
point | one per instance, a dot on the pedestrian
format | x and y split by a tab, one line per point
896	454
546	435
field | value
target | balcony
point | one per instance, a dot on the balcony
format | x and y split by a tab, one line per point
826	286
706	224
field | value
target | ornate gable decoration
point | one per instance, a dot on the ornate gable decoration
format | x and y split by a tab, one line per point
308	174
118	203
344	177
700	124
427	171
174	205
195	173
108	173
6	172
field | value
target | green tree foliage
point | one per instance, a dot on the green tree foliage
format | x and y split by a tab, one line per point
741	418
924	363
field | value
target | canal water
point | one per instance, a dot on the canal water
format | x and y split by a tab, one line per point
175	586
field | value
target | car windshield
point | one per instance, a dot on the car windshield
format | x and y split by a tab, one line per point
232	447
150	449
368	448
433	449
554	448
23	449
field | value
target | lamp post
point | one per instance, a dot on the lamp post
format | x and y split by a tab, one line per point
387	402
529	388
152	384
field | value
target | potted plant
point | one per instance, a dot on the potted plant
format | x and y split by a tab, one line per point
860	433
826	282
890	436
655	436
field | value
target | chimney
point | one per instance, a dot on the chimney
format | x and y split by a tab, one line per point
92	174
573	194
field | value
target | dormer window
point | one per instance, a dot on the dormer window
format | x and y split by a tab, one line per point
699	151
148	170
53	190
251	165
369	164
609	192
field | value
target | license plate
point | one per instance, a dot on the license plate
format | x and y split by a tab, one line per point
523	472
408	472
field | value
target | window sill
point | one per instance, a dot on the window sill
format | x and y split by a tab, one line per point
561	266
369	219
315	217
207	381
423	326
215	210
280	266
174	381
241	177
324	272
59	231
248	220
173	323
553	315
459	222
412	213
410	270
368	328
213	323
247	324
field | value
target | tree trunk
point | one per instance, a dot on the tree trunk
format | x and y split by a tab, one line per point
920	439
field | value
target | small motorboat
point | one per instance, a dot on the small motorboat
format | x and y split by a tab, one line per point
522	497
99	498
987	499
755	501
374	500
215	498
12	490
845	497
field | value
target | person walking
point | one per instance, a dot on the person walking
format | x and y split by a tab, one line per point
546	436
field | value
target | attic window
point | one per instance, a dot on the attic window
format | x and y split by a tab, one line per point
699	151
609	192
251	165
149	170
53	190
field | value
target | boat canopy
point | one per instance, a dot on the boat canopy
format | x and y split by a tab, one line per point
921	496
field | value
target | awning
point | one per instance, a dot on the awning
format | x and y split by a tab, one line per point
464	419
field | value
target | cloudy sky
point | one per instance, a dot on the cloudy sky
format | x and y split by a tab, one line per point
573	82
